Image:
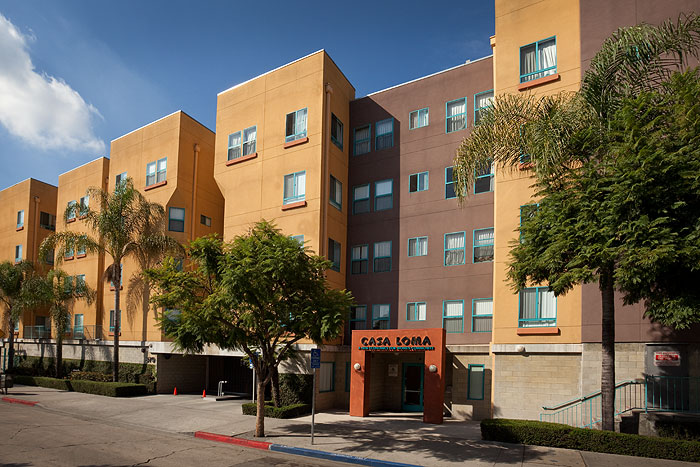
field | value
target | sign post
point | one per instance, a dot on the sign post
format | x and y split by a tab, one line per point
315	363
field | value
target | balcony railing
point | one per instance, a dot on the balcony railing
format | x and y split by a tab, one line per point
37	332
87	332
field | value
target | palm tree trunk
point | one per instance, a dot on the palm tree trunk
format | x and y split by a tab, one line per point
59	354
275	378
11	344
117	323
260	412
607	379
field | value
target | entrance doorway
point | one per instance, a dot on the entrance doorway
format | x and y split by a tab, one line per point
412	387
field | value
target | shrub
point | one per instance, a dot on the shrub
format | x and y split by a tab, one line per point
90	376
565	436
677	429
44	382
295	389
110	389
286	411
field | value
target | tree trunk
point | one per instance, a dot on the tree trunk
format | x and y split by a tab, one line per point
275	379
11	346
59	353
260	414
117	323
607	378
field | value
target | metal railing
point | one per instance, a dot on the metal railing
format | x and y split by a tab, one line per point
672	394
37	332
87	332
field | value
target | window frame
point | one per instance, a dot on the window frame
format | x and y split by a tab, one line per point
338	204
447	119
380	319
298	238
295	198
368	140
170	218
18	253
359	260
334	259
475	246
119	179
477	110
477	177
71	214
230	147
445	249
418	115
377	135
20	214
332	389
483	381
474	300
552	321
369	196
418	179
444	307
112	319
80	252
375	258
296	136
355	320
335	120
205	220
390	195
416	239
452	183
244	142
415	304
537	60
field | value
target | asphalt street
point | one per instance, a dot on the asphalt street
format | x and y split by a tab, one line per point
34	436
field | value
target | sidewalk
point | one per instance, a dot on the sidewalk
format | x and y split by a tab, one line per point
398	438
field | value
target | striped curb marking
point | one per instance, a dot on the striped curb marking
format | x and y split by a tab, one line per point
12	400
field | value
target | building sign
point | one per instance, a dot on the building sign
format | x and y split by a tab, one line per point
667	358
400	344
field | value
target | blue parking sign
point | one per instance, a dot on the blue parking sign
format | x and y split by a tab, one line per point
315	358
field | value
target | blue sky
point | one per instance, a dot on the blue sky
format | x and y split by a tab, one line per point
74	75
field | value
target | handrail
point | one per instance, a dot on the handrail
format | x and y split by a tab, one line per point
591	395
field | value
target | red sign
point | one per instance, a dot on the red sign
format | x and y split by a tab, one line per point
667	359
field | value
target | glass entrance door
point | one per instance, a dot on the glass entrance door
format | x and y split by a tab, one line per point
412	387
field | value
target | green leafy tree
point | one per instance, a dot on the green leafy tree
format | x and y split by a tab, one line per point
121	226
571	144
58	291
260	294
12	278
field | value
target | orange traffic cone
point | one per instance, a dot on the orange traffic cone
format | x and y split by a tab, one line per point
175	391
204	394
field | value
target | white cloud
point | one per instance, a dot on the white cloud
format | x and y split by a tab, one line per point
41	110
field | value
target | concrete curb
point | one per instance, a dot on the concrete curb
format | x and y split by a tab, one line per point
331	456
12	400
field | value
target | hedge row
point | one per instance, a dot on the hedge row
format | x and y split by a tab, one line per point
565	436
89	387
286	411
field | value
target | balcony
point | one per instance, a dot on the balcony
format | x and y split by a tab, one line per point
37	332
85	332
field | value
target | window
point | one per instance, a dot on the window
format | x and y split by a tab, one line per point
358	317
18	253
455	252
450	183
484	179
362	139
453	315
49	257
418	119
418	246
382	256
80	280
111	320
71	210
456	115
249	140
538	59
68	284
475	382
384	134
415	311
482	314
538	308
121	275
298	238
80	250
359	259
78	328
172	315
20	219
47	221
296	125
380	316
482	101
360	199
337	131
156	171
69	251
84	205
326	375
483	245
334	254
294	187
119	179
418	182
176	219
383	195
204	220
234	145
336	193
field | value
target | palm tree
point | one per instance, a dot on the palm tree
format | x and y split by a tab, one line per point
12	278
122	227
554	135
58	291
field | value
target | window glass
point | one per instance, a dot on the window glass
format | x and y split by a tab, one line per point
382	256
483	245
418	246
150	174
475	382
336	190
162	170
234	145
456	115
18	253
383	195
482	315
47	221
20	218
450	183
336	131
295	125
360	199
111	320
538	308
538	60
334	254
71	212
453	316
359	259
294	187
418	182
418	119
249	140
482	101
358	317
119	179
416	311
362	140
326	376
204	220
454	248
176	220
484	179
380	316
384	134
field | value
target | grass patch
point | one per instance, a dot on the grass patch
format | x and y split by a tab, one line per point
286	411
564	436
88	387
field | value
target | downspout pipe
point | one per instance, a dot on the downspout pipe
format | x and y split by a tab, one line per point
34	258
325	169
194	191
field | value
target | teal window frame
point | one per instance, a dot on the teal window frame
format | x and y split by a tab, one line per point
298	238
415	312
334	254
375	258
119	179
111	321
336	191
20	218
416	249
367	140
296	196
69	250
288	138
347	376
159	173
420	112
523	77
377	135
377	318
231	153
451	184
475	316
549	322
354	319
78	328
463	248
174	227
81	249
18	253
484	176
71	212
469	381
84	204
463	114
356	200
332	388
359	260
477	110
80	278
475	246
336	123
420	176
389	195
444	317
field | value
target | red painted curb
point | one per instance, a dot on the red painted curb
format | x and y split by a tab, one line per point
12	400
231	440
